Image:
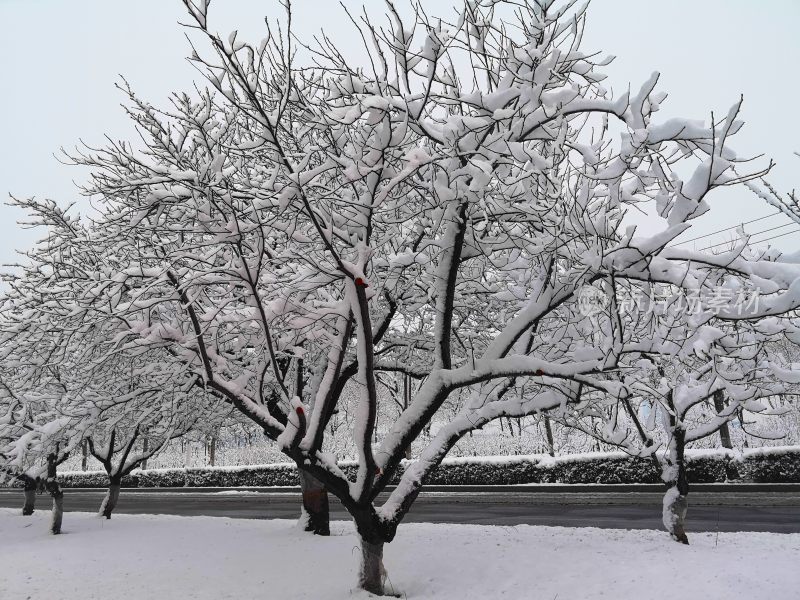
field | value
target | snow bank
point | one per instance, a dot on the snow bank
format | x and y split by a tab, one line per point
146	557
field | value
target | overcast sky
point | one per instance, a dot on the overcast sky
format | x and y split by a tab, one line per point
59	62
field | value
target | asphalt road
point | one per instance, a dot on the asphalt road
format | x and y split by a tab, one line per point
720	507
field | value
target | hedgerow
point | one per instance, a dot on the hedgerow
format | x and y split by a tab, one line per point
761	465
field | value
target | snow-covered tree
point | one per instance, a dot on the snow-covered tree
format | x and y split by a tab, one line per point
151	410
64	381
35	437
438	212
701	374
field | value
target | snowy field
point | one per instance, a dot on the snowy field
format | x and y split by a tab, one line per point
135	556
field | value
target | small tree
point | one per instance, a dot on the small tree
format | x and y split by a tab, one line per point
670	398
114	439
34	447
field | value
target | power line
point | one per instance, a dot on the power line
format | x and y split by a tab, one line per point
755	233
789	224
700	237
774	237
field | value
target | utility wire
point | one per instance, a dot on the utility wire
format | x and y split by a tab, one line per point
700	237
774	237
755	233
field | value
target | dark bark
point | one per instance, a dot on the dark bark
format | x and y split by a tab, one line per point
724	431
551	449
450	287
30	486
55	491
368	371
676	500
84	455
212	451
315	504
731	472
145	450
406	403
375	532
58	512
371	528
372	574
675	507
111	498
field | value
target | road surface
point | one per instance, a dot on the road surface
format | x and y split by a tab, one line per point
712	507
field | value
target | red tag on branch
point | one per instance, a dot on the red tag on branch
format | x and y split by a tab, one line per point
539	372
299	410
360	281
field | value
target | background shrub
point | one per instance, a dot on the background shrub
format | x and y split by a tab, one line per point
761	465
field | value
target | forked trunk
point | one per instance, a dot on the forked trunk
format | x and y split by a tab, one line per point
110	500
30	496
315	504
372	574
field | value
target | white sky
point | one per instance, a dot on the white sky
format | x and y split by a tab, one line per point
59	62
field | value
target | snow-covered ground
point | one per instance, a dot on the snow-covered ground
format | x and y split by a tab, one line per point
136	556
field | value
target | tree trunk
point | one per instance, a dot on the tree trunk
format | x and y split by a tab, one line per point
58	512
110	500
372	573
731	472
212	451
724	431
674	514
406	403
145	450
676	500
55	491
84	455
551	450
315	504
30	485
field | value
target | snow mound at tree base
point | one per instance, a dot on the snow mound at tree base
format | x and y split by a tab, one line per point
146	556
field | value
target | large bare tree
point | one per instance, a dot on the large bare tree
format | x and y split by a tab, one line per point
299	228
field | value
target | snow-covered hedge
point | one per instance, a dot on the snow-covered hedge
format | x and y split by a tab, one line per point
763	465
280	474
772	465
593	467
